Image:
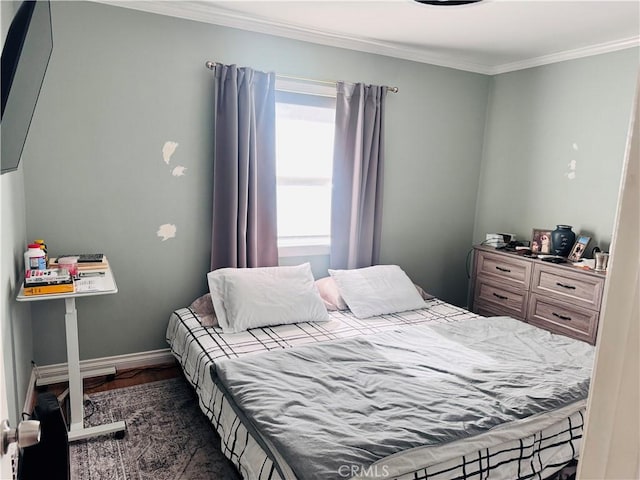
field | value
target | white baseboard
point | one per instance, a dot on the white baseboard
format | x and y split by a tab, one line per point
58	372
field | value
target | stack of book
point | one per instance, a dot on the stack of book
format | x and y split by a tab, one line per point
46	282
86	261
498	240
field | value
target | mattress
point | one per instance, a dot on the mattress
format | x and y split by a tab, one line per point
533	448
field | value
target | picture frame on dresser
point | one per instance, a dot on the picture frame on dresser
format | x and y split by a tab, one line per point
579	248
541	240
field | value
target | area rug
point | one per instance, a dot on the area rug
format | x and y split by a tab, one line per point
167	437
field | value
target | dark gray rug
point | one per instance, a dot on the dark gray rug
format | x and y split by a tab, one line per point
167	437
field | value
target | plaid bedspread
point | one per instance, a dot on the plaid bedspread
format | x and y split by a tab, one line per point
197	348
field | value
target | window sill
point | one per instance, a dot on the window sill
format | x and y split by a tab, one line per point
300	247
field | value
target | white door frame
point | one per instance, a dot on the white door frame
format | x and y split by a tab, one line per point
5	460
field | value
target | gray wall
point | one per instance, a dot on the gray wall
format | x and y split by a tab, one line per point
539	121
15	318
120	83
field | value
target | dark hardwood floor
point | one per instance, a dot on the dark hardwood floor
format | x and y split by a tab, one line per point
122	378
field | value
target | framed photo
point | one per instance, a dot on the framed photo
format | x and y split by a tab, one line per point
541	241
578	248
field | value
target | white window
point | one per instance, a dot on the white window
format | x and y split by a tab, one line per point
304	152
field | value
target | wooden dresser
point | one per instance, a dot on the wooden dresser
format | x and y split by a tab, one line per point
560	298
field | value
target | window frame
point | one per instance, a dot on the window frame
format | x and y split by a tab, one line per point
312	245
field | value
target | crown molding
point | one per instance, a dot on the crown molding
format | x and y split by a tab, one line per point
568	55
210	14
207	13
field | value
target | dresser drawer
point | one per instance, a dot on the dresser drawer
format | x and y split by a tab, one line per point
567	286
559	317
510	269
499	299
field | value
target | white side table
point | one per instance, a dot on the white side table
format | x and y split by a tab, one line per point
101	284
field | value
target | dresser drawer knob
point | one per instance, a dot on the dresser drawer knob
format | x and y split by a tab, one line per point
561	317
502	269
501	297
570	287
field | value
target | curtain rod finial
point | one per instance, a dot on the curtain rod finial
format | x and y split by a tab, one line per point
210	65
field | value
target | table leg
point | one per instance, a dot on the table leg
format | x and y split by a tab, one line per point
73	362
76	422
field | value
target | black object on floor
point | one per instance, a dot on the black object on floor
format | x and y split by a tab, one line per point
50	457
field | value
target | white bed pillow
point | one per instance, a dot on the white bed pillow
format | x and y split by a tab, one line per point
246	298
330	294
377	290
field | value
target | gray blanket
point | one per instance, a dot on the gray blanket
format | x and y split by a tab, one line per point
333	408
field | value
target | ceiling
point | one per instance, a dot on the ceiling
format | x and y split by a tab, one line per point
490	37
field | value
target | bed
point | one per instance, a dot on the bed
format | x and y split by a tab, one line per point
279	395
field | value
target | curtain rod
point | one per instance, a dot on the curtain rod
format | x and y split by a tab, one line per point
211	65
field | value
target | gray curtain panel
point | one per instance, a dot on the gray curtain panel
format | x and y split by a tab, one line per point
244	232
356	203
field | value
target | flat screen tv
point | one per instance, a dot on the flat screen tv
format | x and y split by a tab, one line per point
25	56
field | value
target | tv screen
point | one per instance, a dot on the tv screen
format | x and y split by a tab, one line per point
25	57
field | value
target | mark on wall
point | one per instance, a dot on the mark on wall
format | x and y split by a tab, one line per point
166	231
571	174
178	171
168	150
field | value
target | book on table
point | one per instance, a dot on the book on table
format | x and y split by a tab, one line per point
49	289
87	257
46	282
86	261
50	276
